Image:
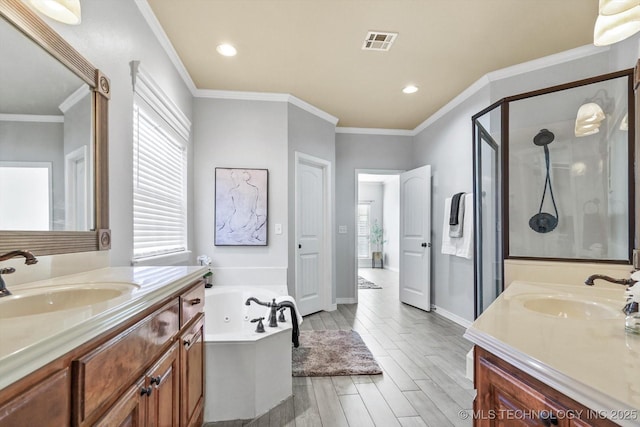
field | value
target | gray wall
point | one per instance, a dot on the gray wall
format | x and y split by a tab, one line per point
311	135
240	134
357	151
112	34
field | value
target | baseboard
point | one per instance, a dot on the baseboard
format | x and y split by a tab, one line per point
351	300
451	316
394	269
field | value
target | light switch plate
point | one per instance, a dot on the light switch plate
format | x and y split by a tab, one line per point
278	228
342	229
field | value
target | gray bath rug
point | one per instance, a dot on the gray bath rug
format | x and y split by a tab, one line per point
365	284
334	352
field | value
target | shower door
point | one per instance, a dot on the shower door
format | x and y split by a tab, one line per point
487	210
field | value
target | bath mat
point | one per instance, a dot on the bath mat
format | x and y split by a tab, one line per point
365	284
334	352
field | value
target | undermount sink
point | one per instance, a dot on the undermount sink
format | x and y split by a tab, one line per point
50	299
571	307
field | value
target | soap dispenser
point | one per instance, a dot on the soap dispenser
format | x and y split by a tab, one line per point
632	321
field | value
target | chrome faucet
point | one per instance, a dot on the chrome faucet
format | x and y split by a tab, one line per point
593	277
29	260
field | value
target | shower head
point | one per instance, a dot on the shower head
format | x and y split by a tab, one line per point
544	137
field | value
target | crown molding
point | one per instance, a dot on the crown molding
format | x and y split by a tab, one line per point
158	31
266	96
74	98
31	118
525	67
375	131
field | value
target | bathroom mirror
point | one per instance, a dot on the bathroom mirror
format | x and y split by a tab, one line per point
53	140
565	169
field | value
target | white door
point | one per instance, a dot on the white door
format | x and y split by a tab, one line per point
415	237
310	230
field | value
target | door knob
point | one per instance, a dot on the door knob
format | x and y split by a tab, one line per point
424	245
299	246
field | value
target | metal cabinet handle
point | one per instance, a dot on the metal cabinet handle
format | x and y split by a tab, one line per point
548	418
156	380
195	301
146	391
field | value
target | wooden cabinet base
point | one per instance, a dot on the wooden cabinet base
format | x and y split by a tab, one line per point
506	396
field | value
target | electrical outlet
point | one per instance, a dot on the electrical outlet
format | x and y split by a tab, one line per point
342	229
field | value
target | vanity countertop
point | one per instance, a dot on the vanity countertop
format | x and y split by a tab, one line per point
591	360
30	342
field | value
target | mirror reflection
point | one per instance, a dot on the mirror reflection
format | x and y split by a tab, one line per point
46	140
569	173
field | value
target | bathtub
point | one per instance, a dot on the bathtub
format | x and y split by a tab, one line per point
246	373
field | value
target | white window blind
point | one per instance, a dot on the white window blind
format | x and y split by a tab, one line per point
364	228
159	185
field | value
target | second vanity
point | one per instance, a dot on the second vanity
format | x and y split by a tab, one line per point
114	346
554	354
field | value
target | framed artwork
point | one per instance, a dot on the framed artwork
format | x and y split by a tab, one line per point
241	207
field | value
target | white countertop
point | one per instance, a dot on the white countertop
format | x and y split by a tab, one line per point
30	342
592	361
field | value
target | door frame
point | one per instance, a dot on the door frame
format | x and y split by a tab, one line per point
355	218
327	219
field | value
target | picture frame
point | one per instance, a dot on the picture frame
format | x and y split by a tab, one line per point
241	207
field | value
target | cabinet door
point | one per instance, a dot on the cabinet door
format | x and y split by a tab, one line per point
47	402
192	374
129	410
163	401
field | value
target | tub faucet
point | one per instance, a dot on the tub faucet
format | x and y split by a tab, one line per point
29	260
273	320
593	277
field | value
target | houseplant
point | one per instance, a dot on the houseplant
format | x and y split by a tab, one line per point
377	240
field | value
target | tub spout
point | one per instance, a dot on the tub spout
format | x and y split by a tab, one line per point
256	300
295	332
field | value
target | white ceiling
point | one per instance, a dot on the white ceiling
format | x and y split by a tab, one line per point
312	48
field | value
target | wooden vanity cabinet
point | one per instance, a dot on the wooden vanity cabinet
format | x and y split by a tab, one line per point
506	396
192	373
146	371
45	401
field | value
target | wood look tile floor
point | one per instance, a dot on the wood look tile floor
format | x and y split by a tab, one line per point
422	355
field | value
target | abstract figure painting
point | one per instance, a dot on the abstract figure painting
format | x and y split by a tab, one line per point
241	207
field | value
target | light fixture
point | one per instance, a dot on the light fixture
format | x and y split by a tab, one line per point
617	20
588	119
624	123
65	11
226	50
410	89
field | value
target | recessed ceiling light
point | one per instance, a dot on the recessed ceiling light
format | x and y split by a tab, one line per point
226	50
410	89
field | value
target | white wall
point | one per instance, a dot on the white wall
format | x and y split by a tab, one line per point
240	134
391	216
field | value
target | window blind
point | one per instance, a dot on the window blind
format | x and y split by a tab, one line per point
159	185
364	241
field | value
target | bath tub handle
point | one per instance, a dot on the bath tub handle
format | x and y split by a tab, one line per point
195	301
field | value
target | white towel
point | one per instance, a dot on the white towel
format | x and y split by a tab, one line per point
293	301
458	246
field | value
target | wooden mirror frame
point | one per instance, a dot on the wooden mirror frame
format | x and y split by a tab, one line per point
62	242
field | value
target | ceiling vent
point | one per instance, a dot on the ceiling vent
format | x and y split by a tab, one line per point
378	40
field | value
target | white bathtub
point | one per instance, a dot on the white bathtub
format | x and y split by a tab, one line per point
247	373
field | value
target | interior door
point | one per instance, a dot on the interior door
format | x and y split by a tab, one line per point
415	237
310	235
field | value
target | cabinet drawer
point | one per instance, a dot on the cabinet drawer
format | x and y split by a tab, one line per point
191	303
101	375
